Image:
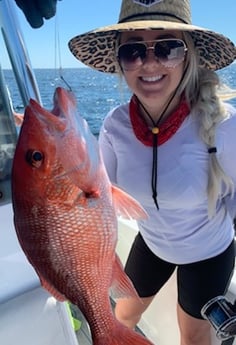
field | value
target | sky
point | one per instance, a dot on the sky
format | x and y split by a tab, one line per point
48	46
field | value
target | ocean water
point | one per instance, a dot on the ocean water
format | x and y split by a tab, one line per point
96	92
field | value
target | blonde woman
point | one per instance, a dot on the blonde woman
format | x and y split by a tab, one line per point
172	147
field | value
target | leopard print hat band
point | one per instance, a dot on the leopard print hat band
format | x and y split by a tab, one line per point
97	48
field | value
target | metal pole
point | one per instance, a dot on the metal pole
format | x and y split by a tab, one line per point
17	52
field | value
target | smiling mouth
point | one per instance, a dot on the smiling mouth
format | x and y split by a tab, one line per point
152	79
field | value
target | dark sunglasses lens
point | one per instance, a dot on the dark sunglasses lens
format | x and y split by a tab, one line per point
170	52
131	55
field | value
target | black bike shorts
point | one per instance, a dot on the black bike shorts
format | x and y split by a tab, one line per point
197	282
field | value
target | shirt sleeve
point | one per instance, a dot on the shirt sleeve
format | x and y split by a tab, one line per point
230	202
226	138
107	150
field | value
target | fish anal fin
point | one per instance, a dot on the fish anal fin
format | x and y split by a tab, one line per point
126	205
52	290
121	284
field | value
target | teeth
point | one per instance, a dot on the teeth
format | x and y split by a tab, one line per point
152	79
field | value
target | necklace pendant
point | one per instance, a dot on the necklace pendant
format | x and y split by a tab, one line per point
155	130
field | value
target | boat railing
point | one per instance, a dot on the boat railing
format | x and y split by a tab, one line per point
12	43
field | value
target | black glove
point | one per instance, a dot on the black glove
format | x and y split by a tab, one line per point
36	10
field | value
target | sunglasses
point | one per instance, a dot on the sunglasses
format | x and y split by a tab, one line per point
169	52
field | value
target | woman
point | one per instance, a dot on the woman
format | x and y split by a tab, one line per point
172	148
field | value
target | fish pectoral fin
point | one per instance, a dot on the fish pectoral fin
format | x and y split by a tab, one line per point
52	290
126	206
121	284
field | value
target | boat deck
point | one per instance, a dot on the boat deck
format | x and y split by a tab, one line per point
83	334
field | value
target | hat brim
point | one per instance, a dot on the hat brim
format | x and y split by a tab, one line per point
97	48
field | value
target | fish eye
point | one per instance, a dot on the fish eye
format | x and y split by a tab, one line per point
34	158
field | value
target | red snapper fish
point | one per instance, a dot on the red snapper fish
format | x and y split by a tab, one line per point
65	215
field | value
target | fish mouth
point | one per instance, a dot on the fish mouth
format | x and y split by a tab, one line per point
47	119
63	102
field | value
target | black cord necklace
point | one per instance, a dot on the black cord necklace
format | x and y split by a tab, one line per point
155	131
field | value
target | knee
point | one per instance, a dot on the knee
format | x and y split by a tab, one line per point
129	311
127	315
194	336
196	339
193	331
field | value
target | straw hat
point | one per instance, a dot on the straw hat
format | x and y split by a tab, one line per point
96	48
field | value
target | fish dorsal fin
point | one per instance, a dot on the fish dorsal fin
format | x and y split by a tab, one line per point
126	206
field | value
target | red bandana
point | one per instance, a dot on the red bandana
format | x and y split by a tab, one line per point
168	128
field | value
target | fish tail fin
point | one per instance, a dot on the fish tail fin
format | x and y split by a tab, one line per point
126	205
122	335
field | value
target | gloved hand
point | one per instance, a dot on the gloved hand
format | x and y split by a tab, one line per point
36	10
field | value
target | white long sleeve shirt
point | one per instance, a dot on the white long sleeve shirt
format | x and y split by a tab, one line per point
180	231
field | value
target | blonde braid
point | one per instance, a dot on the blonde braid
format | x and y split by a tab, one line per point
200	87
212	112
